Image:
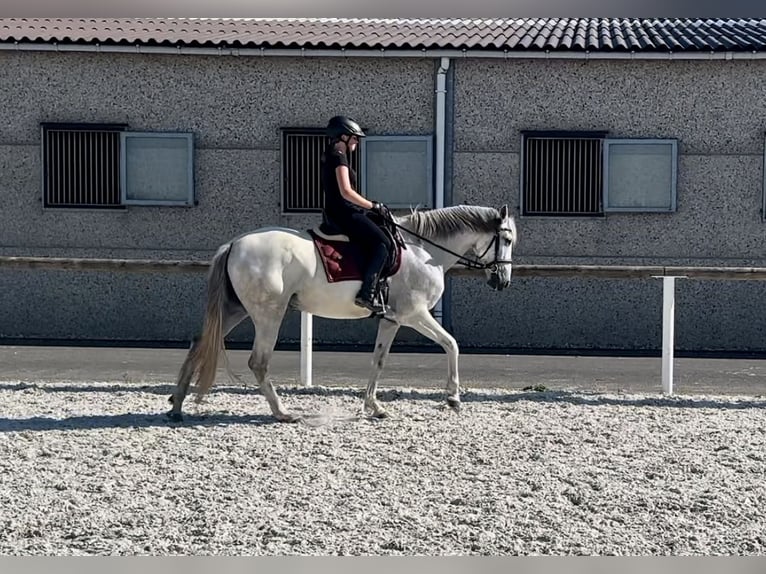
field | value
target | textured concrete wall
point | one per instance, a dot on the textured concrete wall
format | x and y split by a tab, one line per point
714	109
235	107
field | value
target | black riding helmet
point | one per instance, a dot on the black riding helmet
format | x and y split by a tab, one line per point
342	125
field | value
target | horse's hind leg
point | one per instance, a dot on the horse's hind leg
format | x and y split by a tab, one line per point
182	383
426	325
233	314
386	333
266	333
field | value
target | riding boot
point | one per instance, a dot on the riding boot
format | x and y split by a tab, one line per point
366	296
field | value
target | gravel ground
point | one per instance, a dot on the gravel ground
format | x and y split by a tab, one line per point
94	468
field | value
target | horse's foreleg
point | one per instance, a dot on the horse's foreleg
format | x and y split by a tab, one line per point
426	325
386	332
266	332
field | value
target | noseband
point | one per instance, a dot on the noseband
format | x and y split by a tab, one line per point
478	264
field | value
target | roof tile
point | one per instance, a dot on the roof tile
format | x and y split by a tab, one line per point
573	34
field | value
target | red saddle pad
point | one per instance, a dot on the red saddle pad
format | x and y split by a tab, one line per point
341	259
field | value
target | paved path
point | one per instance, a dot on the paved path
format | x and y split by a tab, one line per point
598	374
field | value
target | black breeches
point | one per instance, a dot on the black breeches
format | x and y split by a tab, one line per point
366	235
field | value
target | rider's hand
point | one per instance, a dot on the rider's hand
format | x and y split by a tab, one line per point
380	209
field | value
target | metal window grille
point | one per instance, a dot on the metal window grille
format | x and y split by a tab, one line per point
562	174
302	151
81	165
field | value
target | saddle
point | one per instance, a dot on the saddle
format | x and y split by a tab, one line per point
344	261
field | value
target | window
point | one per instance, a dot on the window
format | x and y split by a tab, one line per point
302	150
81	165
106	166
398	170
156	169
640	175
590	174
562	173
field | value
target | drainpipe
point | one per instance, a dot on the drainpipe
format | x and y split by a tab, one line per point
441	129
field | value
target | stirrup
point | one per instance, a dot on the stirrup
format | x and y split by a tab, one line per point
371	306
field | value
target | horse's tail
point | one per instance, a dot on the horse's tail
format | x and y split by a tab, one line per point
210	344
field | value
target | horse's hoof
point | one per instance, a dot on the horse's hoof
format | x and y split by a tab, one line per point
288	418
454	404
376	412
175	417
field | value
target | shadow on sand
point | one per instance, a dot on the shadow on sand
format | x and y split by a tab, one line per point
145	420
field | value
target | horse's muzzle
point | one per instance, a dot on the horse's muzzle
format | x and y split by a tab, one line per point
495	283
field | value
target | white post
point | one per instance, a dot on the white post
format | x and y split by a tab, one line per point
668	332
307	340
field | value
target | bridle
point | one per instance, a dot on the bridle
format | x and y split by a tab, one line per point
467	262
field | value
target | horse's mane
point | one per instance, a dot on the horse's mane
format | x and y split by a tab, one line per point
445	221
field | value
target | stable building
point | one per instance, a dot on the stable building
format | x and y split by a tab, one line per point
614	141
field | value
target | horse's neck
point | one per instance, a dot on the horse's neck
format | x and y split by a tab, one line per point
458	243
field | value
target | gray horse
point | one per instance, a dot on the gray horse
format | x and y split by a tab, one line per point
263	273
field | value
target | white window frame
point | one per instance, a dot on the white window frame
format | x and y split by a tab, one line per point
428	139
608	142
189	137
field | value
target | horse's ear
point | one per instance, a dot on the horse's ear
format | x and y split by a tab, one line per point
504	211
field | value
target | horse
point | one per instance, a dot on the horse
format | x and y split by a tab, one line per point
263	273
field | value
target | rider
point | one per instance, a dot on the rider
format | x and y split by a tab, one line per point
347	209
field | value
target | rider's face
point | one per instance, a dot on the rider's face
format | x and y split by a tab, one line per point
352	142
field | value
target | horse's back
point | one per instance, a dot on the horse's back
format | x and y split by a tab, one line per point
272	233
272	239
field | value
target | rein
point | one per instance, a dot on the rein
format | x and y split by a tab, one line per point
469	263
